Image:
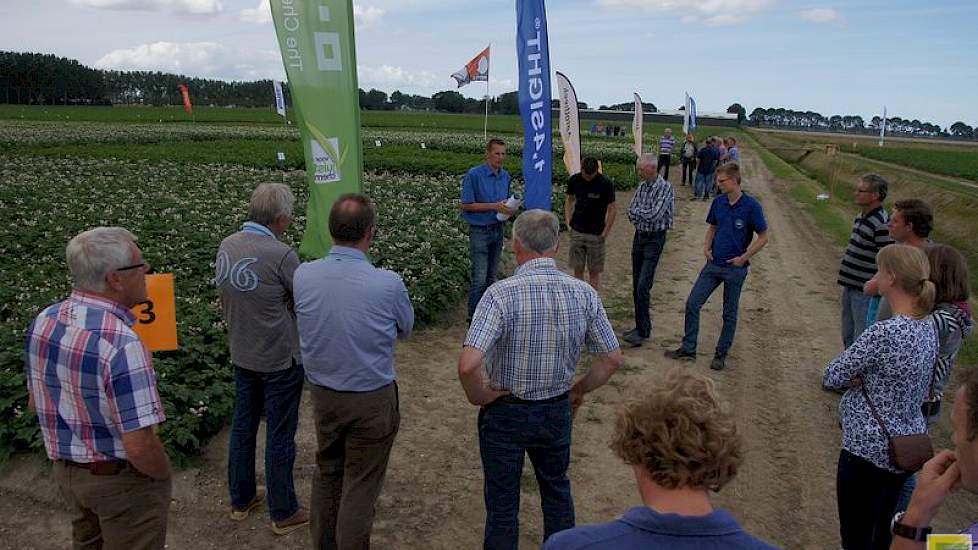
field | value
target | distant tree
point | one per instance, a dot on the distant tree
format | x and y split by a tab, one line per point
508	103
453	102
629	106
739	110
960	129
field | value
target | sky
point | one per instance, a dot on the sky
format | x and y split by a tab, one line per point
833	57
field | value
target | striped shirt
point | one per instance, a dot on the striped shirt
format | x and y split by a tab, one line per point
869	235
652	206
953	325
666	144
533	327
91	378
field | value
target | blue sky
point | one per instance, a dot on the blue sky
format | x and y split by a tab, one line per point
833	57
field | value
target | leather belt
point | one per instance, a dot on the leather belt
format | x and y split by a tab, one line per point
100	468
517	401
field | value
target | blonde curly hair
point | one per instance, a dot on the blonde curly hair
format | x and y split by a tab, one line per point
680	432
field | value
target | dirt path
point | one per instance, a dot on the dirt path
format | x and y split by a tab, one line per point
784	493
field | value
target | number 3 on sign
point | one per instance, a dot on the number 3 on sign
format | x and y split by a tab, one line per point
156	321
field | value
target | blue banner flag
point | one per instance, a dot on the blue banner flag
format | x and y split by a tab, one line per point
534	98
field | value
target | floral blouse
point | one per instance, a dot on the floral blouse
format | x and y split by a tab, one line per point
893	359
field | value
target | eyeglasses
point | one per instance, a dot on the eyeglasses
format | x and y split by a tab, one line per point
133	266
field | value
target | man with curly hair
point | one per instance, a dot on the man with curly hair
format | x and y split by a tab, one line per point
681	442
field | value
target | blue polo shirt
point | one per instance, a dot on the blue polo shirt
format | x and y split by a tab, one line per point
735	226
481	184
643	528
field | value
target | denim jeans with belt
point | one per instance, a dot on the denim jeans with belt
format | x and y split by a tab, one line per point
485	247
277	394
703	184
509	429
646	250
709	279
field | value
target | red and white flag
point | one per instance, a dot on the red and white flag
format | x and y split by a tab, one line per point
187	106
475	70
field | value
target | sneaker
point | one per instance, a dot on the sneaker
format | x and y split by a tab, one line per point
299	519
633	338
239	515
681	355
719	361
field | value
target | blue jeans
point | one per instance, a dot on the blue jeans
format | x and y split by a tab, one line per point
710	278
703	185
277	394
646	249
855	305
485	247
509	428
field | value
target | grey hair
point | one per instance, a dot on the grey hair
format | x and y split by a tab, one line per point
93	254
647	158
877	184
538	230
269	202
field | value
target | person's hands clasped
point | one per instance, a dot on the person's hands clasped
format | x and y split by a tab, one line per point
503	209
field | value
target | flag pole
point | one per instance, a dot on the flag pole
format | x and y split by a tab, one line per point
485	122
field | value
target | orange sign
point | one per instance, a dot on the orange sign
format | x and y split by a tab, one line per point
156	318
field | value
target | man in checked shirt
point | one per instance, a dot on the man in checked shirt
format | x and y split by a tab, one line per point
530	330
651	212
92	384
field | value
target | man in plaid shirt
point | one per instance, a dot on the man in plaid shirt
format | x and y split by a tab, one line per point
530	330
92	384
651	212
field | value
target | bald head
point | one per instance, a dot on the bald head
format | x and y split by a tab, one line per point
351	218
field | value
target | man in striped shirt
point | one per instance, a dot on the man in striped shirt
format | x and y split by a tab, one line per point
91	382
666	145
651	212
869	235
530	331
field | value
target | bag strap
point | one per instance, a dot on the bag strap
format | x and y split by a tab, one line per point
872	409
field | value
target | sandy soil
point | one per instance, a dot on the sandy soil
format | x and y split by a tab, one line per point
784	493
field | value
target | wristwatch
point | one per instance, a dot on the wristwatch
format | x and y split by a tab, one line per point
917	534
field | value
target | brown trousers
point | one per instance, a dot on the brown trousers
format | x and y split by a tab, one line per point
125	511
355	432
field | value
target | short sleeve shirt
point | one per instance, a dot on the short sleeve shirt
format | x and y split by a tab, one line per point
736	225
482	185
591	200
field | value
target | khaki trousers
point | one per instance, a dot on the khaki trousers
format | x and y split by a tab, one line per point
355	432
125	511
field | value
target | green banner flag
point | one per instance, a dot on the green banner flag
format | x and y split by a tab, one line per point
319	53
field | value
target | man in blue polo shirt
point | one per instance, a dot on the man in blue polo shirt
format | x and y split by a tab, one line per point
485	189
733	220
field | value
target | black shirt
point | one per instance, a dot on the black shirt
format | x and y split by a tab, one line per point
591	202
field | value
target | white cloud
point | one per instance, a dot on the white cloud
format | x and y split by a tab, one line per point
202	59
822	15
386	76
195	7
364	16
711	12
262	13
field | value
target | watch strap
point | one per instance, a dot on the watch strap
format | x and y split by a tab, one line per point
917	534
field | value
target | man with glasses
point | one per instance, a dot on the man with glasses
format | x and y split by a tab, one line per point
869	234
91	381
734	218
254	272
350	315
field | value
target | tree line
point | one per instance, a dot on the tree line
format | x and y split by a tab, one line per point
808	120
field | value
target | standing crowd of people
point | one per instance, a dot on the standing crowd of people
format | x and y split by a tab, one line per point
329	327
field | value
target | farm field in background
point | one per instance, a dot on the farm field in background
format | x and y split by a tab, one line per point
183	186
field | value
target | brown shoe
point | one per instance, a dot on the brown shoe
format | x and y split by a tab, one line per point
299	519
240	515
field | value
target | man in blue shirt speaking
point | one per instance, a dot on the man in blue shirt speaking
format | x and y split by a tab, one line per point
733	220
485	189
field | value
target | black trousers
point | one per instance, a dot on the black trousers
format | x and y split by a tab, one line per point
689	168
867	497
664	161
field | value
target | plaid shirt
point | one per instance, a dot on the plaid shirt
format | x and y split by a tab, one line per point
533	326
652	206
91	378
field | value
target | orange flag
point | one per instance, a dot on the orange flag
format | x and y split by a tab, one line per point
187	106
477	69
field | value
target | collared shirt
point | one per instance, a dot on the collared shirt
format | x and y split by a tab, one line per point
733	154
708	158
533	326
91	378
483	185
894	359
642	527
869	235
735	226
666	145
652	206
253	272
350	313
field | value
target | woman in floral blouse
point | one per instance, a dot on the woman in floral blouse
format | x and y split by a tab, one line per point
893	360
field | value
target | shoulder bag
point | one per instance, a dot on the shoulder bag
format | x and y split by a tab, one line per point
907	452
